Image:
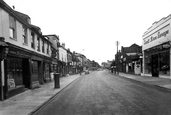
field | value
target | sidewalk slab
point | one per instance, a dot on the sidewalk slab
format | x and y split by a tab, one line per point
28	101
162	82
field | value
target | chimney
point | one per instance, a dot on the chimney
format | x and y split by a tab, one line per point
63	45
13	7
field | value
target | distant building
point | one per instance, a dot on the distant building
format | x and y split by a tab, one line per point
128	57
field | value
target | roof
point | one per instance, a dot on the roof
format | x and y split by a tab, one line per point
132	49
23	16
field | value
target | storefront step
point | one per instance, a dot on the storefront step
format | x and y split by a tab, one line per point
15	91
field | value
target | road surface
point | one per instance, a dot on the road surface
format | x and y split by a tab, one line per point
102	93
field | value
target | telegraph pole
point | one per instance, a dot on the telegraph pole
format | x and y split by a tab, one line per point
117	69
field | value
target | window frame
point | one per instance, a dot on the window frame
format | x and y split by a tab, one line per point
32	40
12	27
38	43
24	35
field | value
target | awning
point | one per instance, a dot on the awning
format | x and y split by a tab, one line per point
3	44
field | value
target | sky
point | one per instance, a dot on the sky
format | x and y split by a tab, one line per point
92	27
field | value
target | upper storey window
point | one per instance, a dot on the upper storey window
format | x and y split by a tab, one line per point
48	49
12	27
24	34
38	44
32	40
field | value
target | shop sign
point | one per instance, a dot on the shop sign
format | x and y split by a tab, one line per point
19	53
35	84
166	45
156	36
11	83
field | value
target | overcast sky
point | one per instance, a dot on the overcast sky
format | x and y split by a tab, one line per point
92	27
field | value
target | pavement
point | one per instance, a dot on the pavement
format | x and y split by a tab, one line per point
162	82
29	101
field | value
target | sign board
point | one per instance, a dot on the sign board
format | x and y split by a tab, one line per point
157	37
11	83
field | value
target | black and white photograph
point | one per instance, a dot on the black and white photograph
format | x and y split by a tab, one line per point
85	57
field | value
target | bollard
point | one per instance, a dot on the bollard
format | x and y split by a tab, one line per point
56	80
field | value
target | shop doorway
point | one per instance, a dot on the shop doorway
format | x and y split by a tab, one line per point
155	65
26	73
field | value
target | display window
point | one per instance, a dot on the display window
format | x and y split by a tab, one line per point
147	64
164	63
14	72
34	71
47	72
159	61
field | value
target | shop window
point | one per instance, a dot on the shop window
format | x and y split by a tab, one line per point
14	73
34	71
148	64
164	62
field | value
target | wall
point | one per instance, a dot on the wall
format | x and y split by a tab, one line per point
158	35
62	54
4	32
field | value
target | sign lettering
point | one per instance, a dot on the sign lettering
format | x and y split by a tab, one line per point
153	38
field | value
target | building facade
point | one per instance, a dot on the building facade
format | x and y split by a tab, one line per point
130	59
62	60
54	39
69	62
156	49
28	54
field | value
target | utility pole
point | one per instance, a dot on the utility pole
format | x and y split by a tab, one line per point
117	69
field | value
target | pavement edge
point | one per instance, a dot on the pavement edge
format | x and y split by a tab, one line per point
147	84
50	99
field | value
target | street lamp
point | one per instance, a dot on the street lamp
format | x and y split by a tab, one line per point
3	54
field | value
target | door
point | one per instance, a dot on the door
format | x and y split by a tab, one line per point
155	65
26	73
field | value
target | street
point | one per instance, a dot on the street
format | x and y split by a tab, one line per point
103	93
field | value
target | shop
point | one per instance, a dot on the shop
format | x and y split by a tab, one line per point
17	71
156	50
47	77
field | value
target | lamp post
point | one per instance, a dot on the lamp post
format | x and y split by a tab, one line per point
3	54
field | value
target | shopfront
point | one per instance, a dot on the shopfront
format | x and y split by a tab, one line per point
157	61
156	51
17	72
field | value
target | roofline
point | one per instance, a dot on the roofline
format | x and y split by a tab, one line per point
52	35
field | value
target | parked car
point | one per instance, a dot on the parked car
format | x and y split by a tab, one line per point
87	72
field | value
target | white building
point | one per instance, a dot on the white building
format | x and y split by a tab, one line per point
26	64
63	59
156	49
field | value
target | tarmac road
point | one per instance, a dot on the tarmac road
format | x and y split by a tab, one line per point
101	93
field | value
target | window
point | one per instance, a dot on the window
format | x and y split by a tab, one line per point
12	27
12	33
164	68
38	44
32	40
25	35
47	48
43	45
